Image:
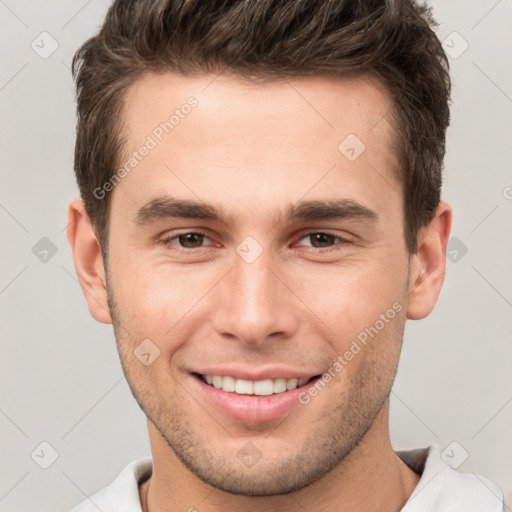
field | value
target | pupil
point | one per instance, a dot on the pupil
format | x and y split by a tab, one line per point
327	239
188	239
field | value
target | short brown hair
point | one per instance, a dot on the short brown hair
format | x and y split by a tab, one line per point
391	39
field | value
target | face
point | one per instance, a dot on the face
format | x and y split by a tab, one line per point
260	238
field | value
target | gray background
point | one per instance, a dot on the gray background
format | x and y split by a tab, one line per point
61	381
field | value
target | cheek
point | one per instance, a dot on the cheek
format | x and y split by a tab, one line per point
369	358
155	300
351	297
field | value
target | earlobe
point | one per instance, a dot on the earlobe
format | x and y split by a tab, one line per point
88	261
429	264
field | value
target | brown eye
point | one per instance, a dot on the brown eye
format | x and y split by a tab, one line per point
323	242
321	239
190	240
187	241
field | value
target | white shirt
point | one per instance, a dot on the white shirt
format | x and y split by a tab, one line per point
440	489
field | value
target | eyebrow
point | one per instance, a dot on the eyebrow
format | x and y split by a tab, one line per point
164	207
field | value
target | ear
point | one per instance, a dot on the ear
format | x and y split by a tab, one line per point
428	265
88	261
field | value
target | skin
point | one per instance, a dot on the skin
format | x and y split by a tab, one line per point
251	150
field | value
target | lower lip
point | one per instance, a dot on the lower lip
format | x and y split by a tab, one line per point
252	408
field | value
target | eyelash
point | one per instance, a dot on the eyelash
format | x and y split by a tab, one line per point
342	241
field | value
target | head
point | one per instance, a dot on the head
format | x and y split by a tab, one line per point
260	193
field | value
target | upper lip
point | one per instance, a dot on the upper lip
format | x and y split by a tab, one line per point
256	375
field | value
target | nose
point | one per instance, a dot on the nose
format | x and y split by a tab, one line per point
254	303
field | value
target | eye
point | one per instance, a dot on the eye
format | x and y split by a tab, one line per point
192	240
323	239
188	240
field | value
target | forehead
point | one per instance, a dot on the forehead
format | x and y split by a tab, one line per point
215	134
320	104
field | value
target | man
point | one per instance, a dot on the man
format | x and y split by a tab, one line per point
260	214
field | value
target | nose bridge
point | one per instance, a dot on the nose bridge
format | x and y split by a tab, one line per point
254	302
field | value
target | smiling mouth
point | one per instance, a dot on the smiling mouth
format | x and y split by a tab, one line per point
265	387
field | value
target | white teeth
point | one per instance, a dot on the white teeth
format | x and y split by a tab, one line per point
249	387
279	385
291	384
217	382
228	384
263	387
243	387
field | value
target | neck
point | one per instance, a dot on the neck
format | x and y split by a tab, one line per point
370	478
